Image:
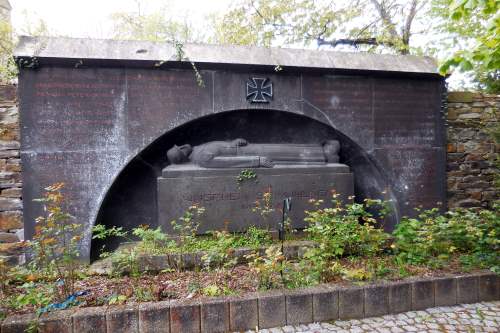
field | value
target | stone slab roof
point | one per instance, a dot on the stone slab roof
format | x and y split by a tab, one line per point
106	51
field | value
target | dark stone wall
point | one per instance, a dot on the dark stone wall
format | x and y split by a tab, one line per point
104	132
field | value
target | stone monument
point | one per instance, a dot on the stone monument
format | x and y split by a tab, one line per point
208	175
99	115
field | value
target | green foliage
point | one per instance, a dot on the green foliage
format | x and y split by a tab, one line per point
246	175
99	231
357	274
281	22
152	240
55	242
431	238
342	230
116	299
477	25
187	225
255	237
218	255
30	294
4	276
264	205
155	26
125	261
214	290
8	69
268	267
218	252
143	293
338	231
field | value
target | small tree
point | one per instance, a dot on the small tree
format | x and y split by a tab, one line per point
55	243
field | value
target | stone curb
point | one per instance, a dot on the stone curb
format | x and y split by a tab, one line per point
270	309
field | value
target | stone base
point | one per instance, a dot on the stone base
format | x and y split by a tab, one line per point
229	203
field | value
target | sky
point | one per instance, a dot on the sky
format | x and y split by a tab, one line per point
90	18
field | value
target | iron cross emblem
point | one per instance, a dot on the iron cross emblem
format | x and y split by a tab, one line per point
259	90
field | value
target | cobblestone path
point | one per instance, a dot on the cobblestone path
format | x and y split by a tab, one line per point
479	317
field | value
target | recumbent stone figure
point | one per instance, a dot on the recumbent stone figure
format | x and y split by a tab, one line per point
239	153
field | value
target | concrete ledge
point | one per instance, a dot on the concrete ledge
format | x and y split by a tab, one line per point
268	309
325	303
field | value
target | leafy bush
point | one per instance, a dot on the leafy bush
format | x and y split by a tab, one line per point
342	230
254	237
187	225
431	238
152	240
269	267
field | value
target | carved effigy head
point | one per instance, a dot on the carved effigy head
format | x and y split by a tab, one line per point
331	150
179	154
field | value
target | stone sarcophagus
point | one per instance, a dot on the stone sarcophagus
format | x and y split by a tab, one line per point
230	178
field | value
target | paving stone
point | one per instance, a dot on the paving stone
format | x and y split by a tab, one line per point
435	320
154	317
351	303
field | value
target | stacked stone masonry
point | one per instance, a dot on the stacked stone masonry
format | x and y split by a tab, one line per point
10	177
472	151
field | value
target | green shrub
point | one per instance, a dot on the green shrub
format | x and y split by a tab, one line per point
269	267
187	225
152	240
432	238
342	230
55	243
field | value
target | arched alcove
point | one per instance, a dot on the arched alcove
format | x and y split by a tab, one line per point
131	200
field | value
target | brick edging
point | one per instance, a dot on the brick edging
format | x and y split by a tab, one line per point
269	309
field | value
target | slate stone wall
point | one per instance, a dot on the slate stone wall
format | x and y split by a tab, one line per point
471	149
11	225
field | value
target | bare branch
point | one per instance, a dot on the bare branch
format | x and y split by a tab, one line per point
353	42
384	15
409	20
